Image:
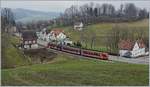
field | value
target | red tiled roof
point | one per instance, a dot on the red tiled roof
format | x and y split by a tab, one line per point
128	44
57	31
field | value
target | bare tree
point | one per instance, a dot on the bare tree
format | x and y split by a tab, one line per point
143	13
91	13
130	10
93	38
7	19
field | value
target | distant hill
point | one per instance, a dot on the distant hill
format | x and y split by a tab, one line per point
25	15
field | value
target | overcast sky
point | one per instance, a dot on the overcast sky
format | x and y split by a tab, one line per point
60	6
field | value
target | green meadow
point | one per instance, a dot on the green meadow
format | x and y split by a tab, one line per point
69	70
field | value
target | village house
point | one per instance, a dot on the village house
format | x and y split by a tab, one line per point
57	35
29	39
53	35
42	34
129	48
78	26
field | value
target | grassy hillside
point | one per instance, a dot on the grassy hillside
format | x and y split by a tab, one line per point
101	30
67	69
70	70
11	56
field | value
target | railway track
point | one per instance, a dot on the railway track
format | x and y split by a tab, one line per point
112	58
78	56
76	51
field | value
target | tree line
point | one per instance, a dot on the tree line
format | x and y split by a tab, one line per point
7	19
94	13
123	32
89	13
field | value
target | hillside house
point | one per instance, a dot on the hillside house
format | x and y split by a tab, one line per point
78	26
57	35
53	35
29	39
129	48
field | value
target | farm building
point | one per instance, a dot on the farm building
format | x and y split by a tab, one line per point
78	26
130	48
29	39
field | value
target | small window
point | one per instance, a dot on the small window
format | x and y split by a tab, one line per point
29	41
26	42
33	41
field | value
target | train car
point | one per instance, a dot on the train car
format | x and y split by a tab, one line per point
104	56
99	55
71	50
78	51
54	46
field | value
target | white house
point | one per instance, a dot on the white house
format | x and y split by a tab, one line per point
53	35
42	34
129	48
57	35
67	42
78	26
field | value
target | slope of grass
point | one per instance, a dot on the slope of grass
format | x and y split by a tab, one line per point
11	56
73	70
70	70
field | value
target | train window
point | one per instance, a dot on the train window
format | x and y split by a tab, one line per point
85	52
104	55
95	53
90	53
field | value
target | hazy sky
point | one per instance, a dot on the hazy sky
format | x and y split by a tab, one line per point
60	6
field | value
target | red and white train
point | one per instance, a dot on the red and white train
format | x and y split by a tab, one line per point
78	51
